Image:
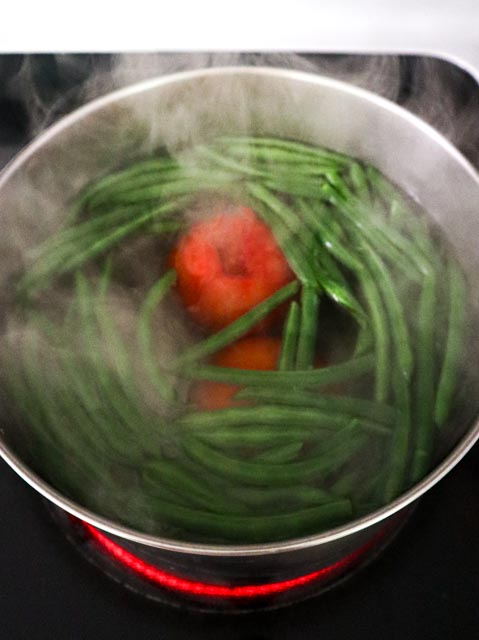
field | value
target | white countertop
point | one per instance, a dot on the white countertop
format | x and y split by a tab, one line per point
442	28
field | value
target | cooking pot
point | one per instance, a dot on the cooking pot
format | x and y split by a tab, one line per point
176	111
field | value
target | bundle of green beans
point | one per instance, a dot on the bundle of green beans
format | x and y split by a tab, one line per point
310	447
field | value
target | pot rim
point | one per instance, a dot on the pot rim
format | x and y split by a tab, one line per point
296	544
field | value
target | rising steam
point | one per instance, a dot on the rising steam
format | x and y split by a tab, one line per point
47	185
429	87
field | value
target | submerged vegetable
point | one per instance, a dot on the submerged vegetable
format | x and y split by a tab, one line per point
255	352
226	265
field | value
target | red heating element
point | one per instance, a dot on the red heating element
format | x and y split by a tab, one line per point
196	588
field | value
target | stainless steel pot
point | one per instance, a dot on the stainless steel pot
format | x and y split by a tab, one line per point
177	110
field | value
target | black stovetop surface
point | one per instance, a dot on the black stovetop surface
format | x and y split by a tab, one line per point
424	586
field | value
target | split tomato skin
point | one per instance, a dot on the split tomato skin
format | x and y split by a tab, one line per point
226	265
253	353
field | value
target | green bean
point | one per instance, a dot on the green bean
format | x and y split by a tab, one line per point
278	500
281	453
119	386
345	484
272	147
292	186
217	158
381	337
126	415
257	435
454	349
289	342
114	344
155	165
163	473
281	211
104	410
340	448
69	319
298	256
334	285
364	341
336	373
338	182
307	172
123	427
155	295
252	528
359	182
400	442
335	404
401	375
25	390
308	328
392	303
384	239
365	498
402	218
65	261
278	415
156	491
52	410
105	278
331	278
150	181
401	214
424	400
121	389
85	230
331	234
238	328
187	185
106	242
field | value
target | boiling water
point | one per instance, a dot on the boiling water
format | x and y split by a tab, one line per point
104	359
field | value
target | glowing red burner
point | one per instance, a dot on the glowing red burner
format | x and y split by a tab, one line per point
196	588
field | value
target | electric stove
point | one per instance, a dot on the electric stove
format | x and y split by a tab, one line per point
425	585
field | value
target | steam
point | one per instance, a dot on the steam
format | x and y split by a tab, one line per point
426	92
429	87
77	79
51	86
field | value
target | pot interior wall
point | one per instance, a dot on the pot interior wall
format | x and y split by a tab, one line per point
177	113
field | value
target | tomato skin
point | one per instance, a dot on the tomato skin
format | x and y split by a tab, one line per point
254	353
259	353
226	265
210	396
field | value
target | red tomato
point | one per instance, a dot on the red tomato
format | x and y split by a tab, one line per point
255	352
226	265
209	396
